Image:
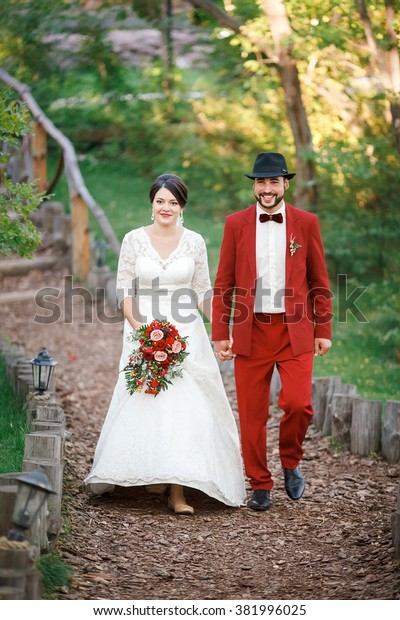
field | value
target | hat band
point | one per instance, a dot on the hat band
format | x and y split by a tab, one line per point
272	169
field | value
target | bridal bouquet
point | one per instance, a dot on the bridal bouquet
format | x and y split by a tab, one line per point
157	360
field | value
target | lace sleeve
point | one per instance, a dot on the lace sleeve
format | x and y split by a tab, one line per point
126	270
201	282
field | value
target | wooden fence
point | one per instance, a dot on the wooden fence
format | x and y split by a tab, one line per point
35	158
360	425
44	447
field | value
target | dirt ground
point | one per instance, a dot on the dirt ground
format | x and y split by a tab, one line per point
333	544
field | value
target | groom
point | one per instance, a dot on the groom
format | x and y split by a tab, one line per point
272	277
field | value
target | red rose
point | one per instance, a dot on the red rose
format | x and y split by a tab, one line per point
159	345
147	354
170	340
154	383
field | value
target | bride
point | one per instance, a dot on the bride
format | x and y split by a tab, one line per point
186	436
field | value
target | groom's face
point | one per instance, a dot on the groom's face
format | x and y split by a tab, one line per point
270	192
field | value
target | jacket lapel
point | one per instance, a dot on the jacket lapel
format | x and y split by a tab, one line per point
291	218
249	239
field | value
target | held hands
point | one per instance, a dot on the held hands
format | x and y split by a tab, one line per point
321	346
223	350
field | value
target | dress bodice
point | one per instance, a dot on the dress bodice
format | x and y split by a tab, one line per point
141	268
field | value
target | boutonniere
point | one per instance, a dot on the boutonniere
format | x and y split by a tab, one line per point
293	246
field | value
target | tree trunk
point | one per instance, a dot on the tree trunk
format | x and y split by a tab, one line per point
386	61
306	188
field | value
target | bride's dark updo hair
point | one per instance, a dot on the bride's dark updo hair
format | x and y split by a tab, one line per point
174	184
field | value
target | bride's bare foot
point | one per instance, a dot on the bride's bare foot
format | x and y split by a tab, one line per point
177	501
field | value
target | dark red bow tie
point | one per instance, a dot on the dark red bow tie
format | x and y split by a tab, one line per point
266	217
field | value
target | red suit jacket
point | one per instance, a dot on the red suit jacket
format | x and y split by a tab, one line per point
308	306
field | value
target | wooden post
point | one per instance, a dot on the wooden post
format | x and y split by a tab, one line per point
396	525
21	366
47	413
8	493
80	238
54	428
391	432
44	445
55	472
319	397
10	594
366	423
39	154
334	386
342	408
53	413
24	384
18	569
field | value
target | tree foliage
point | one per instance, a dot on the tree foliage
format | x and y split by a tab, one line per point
17	200
242	109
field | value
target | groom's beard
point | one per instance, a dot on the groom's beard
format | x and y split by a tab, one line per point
275	201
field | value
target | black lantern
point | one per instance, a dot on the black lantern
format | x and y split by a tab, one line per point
99	248
42	370
33	489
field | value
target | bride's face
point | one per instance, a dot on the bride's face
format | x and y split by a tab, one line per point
166	208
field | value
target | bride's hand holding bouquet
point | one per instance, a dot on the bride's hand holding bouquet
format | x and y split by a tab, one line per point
157	360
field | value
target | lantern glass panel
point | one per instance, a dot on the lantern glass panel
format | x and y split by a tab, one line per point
27	505
42	370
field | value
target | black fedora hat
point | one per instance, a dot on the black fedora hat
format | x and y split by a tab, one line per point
270	165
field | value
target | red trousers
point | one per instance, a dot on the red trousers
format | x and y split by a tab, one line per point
270	345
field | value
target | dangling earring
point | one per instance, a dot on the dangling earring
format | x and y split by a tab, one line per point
181	218
152	214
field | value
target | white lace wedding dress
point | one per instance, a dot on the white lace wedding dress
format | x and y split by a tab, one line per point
187	434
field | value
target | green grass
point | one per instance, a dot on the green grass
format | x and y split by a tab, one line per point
358	356
13	426
55	574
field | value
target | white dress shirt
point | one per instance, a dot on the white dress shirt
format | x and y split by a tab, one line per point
270	262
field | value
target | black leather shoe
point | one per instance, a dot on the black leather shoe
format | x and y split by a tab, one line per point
294	482
260	500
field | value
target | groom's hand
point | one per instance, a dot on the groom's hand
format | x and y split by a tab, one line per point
223	350
321	346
